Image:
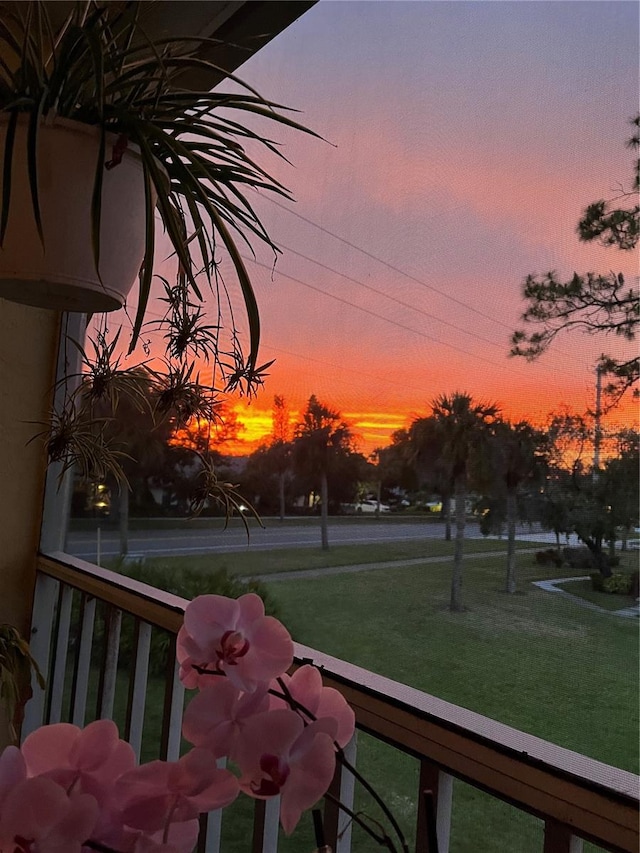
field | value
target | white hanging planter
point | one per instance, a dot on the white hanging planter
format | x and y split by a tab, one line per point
61	275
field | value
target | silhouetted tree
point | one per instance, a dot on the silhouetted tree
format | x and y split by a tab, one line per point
513	458
595	303
427	448
280	446
463	427
322	438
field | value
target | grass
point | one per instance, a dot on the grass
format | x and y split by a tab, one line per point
536	661
606	600
252	563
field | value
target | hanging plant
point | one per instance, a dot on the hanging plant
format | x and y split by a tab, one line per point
99	69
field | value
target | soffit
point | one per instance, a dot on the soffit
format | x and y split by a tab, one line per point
243	27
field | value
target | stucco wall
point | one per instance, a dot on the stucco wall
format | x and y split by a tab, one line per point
28	347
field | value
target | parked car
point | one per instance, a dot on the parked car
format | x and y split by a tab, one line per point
371	506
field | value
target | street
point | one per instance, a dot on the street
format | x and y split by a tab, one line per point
274	535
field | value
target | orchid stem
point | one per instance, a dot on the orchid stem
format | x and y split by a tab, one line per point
296	706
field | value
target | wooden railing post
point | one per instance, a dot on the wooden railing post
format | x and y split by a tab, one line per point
173	708
337	823
42	618
265	825
60	659
558	838
109	668
82	667
138	686
440	784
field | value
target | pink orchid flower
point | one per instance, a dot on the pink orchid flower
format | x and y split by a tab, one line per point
86	760
234	638
305	687
278	754
177	838
37	815
155	795
215	718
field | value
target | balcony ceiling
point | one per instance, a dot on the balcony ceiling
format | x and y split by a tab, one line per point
244	26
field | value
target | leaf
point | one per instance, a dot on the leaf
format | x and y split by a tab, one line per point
251	305
32	163
6	172
96	201
147	265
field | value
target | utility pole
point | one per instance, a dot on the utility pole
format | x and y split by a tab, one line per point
597	433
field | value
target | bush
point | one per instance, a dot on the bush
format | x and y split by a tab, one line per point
578	558
186	583
597	582
189	583
549	557
620	583
583	558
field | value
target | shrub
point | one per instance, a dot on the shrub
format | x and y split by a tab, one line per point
578	558
597	582
189	583
548	557
620	583
186	583
583	558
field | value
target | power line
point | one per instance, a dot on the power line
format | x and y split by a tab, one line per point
395	299
395	269
387	264
388	320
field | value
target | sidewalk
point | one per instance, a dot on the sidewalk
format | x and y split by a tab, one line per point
548	586
369	567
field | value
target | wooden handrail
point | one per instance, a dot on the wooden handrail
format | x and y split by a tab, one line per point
597	801
158	608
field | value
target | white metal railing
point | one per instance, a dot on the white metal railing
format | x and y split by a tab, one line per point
576	797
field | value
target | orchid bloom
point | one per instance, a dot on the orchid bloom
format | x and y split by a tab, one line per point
37	815
278	754
233	638
156	795
306	688
215	718
87	760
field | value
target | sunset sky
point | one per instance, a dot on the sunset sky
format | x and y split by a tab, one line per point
463	140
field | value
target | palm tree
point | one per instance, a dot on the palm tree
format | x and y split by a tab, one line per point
320	439
462	426
280	446
426	452
514	458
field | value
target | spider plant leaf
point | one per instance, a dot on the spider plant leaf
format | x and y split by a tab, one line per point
195	191
6	172
251	305
32	163
96	201
175	226
7	35
146	275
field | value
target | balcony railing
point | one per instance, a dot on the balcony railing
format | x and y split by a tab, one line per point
576	797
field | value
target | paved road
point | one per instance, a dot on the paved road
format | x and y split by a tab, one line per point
274	535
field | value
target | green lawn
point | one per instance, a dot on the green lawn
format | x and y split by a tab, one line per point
607	600
251	563
537	661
